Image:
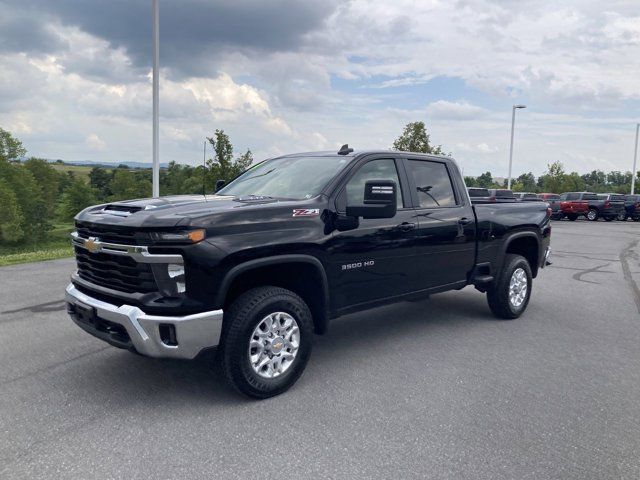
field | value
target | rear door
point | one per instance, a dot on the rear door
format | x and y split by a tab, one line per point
445	237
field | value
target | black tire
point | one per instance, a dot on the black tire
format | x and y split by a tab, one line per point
622	217
592	215
608	219
241	319
572	216
636	219
498	293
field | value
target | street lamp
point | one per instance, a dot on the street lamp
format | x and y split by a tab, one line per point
155	182
635	158
513	121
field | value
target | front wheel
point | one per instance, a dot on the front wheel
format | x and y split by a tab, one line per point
509	295
572	216
266	341
592	215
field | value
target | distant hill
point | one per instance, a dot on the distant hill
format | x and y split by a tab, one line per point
89	163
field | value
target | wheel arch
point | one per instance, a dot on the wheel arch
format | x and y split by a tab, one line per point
526	244
303	274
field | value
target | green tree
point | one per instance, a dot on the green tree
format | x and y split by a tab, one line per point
222	166
78	196
11	219
49	181
126	185
554	178
99	179
527	182
415	138
470	181
11	148
485	180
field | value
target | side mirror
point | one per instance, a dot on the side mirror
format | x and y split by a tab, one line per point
379	200
220	184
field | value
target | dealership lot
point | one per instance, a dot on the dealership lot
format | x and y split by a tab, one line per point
435	388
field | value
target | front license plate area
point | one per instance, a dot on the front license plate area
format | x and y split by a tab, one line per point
85	313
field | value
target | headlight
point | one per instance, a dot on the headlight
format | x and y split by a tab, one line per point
186	236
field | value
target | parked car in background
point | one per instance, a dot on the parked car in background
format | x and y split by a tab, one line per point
631	208
574	204
479	195
553	199
609	206
526	197
501	195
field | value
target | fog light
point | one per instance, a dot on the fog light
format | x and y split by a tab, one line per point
176	272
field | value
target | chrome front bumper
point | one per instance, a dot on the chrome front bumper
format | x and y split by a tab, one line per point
192	332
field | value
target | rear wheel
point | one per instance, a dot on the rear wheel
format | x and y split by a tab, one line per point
509	295
592	215
266	341
622	217
572	216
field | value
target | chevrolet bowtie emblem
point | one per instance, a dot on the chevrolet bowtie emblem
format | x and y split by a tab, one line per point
92	244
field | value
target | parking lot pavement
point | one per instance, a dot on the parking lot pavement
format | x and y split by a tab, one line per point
431	389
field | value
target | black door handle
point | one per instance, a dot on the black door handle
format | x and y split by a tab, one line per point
407	227
464	221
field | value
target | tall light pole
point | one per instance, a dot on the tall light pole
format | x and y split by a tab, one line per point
156	97
635	158
513	122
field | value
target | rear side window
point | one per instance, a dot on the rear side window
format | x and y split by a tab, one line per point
590	196
617	198
552	197
433	183
573	196
478	192
505	194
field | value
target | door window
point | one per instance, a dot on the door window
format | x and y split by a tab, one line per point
433	184
383	169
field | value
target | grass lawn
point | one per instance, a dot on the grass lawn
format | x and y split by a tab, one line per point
80	171
56	245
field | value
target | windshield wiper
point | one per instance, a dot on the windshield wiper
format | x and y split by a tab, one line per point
257	176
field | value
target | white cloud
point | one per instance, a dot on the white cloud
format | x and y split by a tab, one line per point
95	143
445	110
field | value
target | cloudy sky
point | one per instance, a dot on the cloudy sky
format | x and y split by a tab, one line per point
288	75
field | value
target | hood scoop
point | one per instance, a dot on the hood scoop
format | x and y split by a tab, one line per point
122	210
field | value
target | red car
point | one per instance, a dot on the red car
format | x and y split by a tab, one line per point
574	204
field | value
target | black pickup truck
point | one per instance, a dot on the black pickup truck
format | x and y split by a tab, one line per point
289	245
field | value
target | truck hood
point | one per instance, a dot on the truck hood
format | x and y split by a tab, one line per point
170	211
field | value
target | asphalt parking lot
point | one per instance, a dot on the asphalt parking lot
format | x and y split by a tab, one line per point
431	389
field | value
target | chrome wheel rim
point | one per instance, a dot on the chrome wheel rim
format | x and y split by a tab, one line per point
274	344
591	215
518	286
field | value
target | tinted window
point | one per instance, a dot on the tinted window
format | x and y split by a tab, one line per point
617	198
383	169
551	197
529	195
573	196
503	193
432	183
478	192
590	196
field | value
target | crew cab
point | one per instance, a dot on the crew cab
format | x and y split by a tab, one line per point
575	204
291	244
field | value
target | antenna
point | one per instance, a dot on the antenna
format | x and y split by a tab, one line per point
344	149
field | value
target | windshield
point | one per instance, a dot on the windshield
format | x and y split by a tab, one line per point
294	178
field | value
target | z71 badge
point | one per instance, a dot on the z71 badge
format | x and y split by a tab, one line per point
306	212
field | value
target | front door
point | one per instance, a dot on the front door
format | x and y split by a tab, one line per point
373	261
